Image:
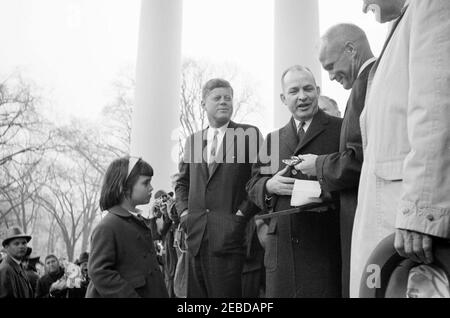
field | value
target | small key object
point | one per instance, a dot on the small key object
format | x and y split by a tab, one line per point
293	161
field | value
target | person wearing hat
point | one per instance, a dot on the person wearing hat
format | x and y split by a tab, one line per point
29	263
82	261
14	282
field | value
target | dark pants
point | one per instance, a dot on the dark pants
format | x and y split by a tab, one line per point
253	283
212	276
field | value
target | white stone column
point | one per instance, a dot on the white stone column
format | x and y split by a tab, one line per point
296	41
158	72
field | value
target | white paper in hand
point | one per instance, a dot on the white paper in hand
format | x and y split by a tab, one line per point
304	192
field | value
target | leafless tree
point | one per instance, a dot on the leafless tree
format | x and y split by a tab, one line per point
20	123
24	139
19	198
71	198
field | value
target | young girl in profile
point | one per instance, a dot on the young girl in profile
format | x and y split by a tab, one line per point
123	260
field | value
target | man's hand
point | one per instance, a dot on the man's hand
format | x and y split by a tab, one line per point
261	231
414	245
308	165
58	285
155	211
280	185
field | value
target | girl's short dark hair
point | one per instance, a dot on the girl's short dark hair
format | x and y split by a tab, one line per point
117	184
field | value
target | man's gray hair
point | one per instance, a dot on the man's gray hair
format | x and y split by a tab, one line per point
299	68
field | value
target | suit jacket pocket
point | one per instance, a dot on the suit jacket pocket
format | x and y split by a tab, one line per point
234	236
390	170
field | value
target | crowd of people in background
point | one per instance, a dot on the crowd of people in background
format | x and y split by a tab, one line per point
383	169
20	278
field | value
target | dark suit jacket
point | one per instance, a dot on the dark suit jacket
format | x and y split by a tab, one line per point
33	278
302	256
13	280
340	171
45	282
213	200
123	262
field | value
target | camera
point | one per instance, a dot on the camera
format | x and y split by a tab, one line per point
164	205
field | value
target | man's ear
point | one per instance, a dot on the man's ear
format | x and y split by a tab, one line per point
283	98
203	104
318	90
351	48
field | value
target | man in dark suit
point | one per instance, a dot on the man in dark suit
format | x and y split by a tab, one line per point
211	196
302	251
14	282
346	55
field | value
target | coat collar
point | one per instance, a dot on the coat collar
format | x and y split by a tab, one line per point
119	211
14	265
363	77
288	134
388	39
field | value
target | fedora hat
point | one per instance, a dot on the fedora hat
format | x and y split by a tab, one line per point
14	233
394	270
84	257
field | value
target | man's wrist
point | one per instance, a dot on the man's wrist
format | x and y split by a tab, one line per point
185	212
268	192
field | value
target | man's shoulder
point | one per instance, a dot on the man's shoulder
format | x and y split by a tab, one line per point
359	87
197	134
336	121
245	126
5	268
44	278
275	133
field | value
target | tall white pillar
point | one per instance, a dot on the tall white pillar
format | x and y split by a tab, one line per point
158	73
296	41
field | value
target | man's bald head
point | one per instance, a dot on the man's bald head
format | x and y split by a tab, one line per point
343	33
300	92
344	49
296	68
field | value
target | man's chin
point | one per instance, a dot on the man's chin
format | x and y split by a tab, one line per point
347	85
303	114
222	120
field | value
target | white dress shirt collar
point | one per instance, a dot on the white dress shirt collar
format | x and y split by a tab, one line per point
366	63
221	129
15	260
305	126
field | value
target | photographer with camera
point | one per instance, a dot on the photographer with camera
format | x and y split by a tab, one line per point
165	222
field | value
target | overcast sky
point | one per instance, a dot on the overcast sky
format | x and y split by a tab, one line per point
74	49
